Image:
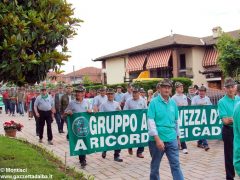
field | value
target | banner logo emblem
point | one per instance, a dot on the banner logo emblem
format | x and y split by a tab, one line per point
80	127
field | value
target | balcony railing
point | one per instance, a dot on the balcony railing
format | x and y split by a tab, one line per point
186	73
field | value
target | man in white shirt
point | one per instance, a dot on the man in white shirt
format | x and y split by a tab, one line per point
99	99
118	95
202	99
143	94
108	106
127	95
80	104
181	100
136	102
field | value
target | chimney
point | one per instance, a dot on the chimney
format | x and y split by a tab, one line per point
217	31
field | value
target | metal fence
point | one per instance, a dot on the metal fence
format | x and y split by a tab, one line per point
215	95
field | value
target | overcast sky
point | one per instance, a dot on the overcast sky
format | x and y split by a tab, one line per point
113	25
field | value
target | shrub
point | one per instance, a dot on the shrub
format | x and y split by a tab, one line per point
185	81
147	84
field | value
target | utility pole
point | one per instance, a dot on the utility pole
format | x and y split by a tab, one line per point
74	75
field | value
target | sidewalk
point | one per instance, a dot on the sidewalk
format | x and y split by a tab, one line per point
198	164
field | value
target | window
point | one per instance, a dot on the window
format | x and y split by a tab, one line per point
182	61
133	75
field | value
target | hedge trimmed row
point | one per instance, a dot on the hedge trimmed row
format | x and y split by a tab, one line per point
146	84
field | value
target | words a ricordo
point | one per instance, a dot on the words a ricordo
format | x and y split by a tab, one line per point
105	131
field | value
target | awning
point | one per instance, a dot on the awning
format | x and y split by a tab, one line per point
158	59
214	69
210	57
136	62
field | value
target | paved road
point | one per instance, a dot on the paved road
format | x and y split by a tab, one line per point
198	164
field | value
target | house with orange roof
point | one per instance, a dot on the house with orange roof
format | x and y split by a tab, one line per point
171	56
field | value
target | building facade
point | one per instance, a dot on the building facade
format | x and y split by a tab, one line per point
91	73
172	56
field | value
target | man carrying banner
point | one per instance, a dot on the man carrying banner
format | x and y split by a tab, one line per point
181	100
99	99
118	95
111	105
136	102
203	100
143	94
76	106
226	106
127	95
162	118
190	94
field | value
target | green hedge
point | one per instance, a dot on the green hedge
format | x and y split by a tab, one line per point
185	81
146	84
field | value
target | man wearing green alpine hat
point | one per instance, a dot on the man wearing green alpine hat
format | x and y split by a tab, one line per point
43	107
57	106
226	106
162	118
108	106
76	106
236	141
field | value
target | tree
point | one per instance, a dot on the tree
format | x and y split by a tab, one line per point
86	80
229	56
30	34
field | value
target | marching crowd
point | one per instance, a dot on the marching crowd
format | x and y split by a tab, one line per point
162	105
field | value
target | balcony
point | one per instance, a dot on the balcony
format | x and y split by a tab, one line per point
186	72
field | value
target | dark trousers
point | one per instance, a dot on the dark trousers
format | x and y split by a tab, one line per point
45	116
82	158
140	150
202	142
183	145
116	153
12	107
20	108
227	136
60	121
7	105
65	119
37	123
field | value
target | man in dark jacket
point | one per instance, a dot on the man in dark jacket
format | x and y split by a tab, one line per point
65	100
57	106
31	109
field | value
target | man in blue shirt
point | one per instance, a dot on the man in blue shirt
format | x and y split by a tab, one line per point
202	100
136	102
108	106
118	95
162	120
